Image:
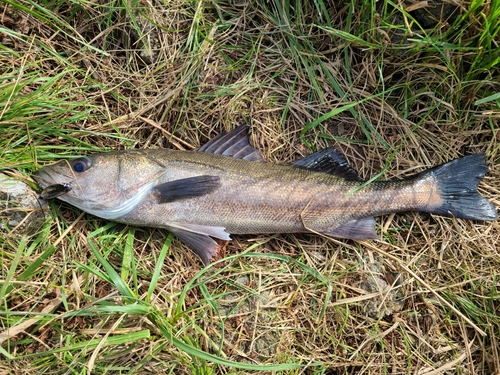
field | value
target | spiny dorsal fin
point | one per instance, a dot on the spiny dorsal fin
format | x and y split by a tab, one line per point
235	144
328	161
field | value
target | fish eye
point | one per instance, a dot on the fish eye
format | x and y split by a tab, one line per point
81	164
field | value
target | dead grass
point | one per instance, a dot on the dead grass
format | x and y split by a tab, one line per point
81	295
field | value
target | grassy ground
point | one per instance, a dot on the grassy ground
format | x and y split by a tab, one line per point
392	90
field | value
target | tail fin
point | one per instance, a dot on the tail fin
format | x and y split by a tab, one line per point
458	182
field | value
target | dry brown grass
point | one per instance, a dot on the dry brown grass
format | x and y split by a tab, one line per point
423	299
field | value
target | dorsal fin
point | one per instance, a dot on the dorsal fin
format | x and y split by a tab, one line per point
235	144
328	161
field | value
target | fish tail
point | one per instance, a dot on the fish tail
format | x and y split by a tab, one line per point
457	181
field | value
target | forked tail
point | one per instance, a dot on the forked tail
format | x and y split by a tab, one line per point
457	181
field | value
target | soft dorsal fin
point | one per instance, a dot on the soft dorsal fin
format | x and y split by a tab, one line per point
235	144
329	161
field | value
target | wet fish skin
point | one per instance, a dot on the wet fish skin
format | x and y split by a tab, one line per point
199	195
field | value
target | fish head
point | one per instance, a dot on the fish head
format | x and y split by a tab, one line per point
107	185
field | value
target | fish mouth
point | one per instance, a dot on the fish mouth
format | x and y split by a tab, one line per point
50	187
54	191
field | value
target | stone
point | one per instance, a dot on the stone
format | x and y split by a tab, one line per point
20	209
391	296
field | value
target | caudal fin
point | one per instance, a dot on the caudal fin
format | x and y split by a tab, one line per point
457	181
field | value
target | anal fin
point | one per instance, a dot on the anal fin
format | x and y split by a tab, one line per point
360	229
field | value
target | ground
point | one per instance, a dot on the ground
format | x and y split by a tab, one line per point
397	88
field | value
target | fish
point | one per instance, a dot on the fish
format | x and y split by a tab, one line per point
226	187
53	191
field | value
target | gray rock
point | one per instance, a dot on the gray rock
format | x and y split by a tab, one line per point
249	318
20	208
436	12
430	15
146	36
391	296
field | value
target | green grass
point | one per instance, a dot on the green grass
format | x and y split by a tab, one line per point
79	294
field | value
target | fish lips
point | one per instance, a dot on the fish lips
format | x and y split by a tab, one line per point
54	191
50	190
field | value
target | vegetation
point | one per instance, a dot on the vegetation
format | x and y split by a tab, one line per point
397	87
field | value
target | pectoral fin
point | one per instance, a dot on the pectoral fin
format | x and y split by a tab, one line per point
185	188
361	229
204	246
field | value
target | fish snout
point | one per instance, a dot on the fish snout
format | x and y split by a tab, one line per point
47	176
51	184
42	178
